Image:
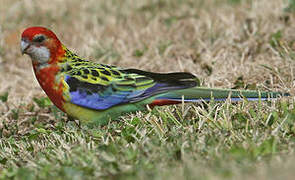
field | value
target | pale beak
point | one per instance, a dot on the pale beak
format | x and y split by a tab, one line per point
24	45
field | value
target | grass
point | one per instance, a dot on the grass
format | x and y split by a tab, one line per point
227	43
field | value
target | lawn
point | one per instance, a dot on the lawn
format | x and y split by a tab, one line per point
241	44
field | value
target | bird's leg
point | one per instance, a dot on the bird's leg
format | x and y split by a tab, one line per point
77	122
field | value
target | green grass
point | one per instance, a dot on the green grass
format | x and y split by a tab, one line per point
221	140
226	43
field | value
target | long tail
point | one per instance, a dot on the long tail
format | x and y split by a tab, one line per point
197	94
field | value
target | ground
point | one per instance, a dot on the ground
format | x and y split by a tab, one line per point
244	44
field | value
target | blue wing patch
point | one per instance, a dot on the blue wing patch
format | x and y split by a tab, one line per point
95	96
97	101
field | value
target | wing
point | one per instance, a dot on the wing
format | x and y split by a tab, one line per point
99	87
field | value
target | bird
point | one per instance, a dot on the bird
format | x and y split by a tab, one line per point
96	93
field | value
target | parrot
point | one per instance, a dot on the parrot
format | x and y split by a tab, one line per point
96	93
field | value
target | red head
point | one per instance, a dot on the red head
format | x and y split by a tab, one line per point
40	44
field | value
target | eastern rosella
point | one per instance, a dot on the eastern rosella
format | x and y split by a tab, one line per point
94	93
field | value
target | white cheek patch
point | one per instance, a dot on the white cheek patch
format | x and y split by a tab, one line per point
39	54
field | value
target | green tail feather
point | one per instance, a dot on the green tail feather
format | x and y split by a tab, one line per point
202	93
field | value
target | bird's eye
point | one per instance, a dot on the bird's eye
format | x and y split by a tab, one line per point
39	39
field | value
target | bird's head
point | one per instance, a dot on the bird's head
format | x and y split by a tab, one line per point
40	44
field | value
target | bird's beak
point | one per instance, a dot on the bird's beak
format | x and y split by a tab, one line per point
24	45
